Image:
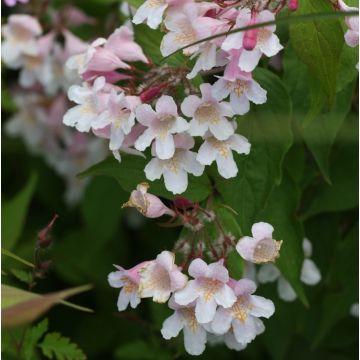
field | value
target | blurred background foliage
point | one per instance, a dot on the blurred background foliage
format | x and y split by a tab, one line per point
301	176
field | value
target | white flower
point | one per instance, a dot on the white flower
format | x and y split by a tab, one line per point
208	113
184	319
208	288
152	11
161	125
90	103
175	170
243	316
242	90
206	60
221	152
161	277
260	248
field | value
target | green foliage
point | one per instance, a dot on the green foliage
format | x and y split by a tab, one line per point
56	346
141	350
14	214
321	40
32	337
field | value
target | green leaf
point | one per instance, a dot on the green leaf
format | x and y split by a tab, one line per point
130	172
235	265
32	337
348	71
61	348
280	213
268	129
14	213
21	307
319	44
15	257
22	275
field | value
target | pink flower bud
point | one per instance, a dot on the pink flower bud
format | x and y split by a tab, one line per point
250	36
293	5
105	60
149	205
43	236
183	203
151	93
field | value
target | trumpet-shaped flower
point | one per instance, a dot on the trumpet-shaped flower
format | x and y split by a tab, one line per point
261	248
208	113
221	152
161	125
209	289
242	318
161	277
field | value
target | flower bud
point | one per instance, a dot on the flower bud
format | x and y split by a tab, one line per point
250	36
293	5
151	93
43	236
183	203
147	204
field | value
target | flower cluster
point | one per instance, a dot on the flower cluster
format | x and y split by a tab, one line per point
136	110
40	101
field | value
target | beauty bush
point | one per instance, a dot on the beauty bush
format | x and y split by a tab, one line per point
199	106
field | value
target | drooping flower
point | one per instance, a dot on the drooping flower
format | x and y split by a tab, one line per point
261	248
175	170
352	22
242	318
90	100
208	113
209	289
161	277
129	281
221	151
161	125
147	204
184	319
242	90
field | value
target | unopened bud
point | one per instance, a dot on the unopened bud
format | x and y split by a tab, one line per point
293	5
250	36
151	93
44	239
183	203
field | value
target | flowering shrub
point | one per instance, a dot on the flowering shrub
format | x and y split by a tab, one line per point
231	123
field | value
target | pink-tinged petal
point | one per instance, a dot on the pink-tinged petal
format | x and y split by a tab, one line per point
262	230
170	44
272	46
244	287
222	130
78	94
233	41
198	268
220	89
180	125
153	170
225	297
231	342
116	139
246	331
166	259
134	300
240	104
73	44
105	60
172	326
285	290
188	294
184	141
206	154
240	144
206	92
245	247
197	128
226	109
145	139
176	182
194	341
256	93
310	273
104	119
268	273
261	307
103	133
249	59
164	147
191	165
145	115
352	38
123	300
166	105
218	271
178	280
115	279
205	310
189	105
222	321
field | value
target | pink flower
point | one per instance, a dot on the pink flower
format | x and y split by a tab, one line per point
242	90
129	281
266	41
221	152
14	2
208	113
147	204
242	318
184	319
161	277
352	22
208	288
20	39
91	102
121	43
161	125
260	248
175	170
